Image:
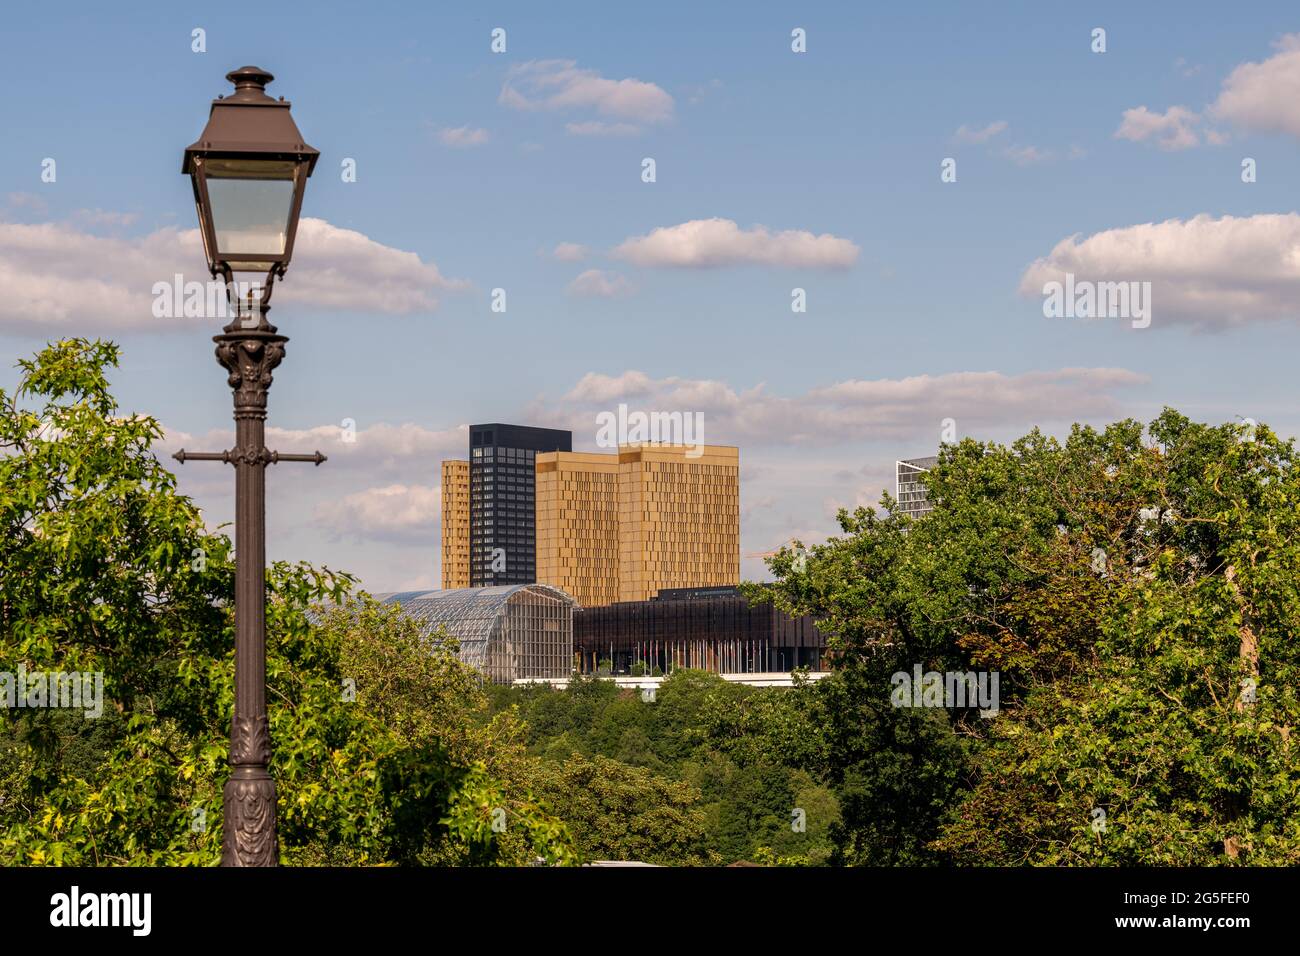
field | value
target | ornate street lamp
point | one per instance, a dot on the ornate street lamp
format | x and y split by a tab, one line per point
249	169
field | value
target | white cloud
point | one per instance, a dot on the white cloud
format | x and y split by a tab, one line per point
597	128
966	134
569	252
1026	155
1018	154
1204	271
460	137
709	243
406	449
396	513
1172	130
1258	97
374	488
345	269
92	218
30	201
595	388
1265	96
697	92
55	275
870	410
597	284
753	506
560	85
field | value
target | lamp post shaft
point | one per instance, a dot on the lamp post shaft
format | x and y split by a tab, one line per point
248	835
254	150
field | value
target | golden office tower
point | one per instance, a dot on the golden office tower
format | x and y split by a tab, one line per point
577	525
620	527
455	524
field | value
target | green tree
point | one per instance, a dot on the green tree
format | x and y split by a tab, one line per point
679	708
756	766
1138	592
105	568
618	812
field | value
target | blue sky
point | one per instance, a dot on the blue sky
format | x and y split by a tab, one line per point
480	164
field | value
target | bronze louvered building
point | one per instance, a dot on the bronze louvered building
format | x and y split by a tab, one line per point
712	629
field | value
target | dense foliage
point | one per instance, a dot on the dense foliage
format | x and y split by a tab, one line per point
708	772
1138	592
105	568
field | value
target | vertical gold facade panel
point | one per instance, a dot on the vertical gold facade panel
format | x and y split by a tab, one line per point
620	527
577	525
455	524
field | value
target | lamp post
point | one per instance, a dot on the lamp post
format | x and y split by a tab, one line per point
249	169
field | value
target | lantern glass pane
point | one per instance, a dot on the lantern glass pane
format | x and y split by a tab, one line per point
251	203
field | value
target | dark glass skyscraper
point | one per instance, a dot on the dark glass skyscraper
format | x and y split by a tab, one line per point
502	495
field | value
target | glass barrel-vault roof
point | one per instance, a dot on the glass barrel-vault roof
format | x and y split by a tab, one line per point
474	616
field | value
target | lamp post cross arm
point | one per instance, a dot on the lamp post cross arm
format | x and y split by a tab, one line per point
237	456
